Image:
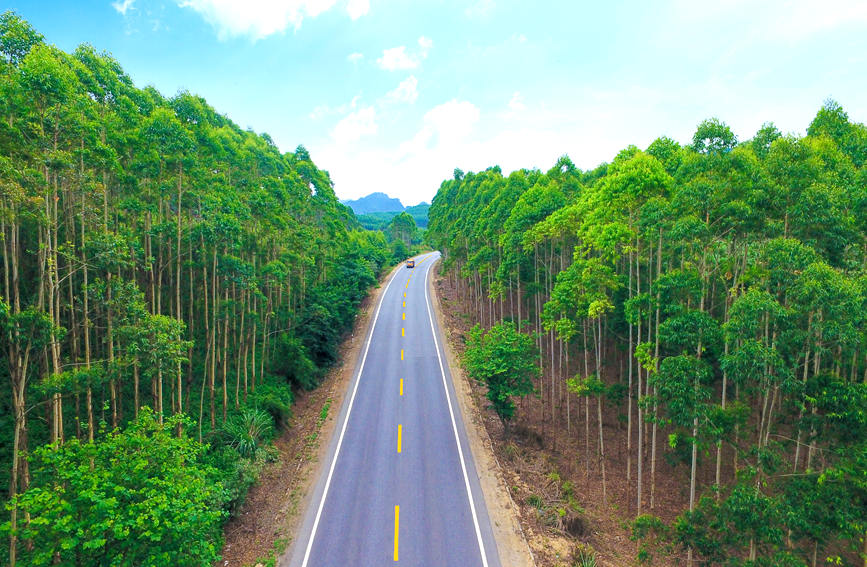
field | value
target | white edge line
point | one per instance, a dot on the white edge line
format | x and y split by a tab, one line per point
454	425
345	422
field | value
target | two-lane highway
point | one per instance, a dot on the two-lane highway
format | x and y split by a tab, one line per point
399	484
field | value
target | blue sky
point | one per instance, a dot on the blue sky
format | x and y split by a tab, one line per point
392	95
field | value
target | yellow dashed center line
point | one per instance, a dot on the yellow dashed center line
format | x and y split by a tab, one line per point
404	294
401	354
399	436
404	316
404	303
402	331
401	386
396	528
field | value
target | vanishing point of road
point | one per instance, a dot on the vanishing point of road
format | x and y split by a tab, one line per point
398	486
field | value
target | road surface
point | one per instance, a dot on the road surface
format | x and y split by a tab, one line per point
398	485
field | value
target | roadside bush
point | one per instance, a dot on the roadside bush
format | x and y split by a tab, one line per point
138	496
249	431
583	555
238	474
292	362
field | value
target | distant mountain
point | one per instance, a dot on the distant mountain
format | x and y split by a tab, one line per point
375	203
376	210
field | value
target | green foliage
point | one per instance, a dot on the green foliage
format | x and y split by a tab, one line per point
235	473
732	277
380	220
399	251
331	310
682	384
140	496
292	362
248	431
713	137
505	361
17	37
155	253
587	386
583	555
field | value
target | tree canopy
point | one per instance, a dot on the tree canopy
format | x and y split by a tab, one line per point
158	261
713	295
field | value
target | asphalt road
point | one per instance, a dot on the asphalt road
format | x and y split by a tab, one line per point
398	485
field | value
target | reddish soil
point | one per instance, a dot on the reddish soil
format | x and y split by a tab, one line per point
538	458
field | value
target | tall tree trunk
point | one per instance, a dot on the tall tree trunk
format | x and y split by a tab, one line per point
641	427
178	312
804	380
656	370
598	340
629	394
586	403
212	338
224	358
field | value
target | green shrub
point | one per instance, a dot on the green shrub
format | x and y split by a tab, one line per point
583	555
140	496
237	474
276	399
248	431
535	501
292	362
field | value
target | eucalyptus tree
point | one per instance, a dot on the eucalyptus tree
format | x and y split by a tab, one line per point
726	281
147	238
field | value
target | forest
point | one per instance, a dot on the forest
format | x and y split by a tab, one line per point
169	280
702	306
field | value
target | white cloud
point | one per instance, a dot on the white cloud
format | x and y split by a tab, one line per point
443	126
517	102
122	6
256	18
320	112
406	91
355	57
324	110
355	126
458	134
398	59
357	8
453	120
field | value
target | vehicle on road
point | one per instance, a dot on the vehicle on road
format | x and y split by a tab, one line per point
410	263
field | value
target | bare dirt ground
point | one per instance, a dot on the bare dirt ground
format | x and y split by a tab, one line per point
537	460
266	523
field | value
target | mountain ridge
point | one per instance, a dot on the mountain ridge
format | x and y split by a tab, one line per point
376	202
375	211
